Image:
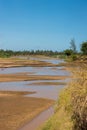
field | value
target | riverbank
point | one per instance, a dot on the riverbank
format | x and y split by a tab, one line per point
71	107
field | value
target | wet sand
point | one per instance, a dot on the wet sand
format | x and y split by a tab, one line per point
47	83
39	120
15	111
17	62
14	93
25	77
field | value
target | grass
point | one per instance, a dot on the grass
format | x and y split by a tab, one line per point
71	107
15	111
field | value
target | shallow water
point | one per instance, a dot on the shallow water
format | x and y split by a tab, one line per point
49	91
53	61
42	91
33	125
35	70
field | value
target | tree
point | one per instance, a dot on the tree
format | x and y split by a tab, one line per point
73	45
68	52
84	48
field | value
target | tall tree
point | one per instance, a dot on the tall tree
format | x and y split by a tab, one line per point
73	45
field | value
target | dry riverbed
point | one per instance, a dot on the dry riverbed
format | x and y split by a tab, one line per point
15	111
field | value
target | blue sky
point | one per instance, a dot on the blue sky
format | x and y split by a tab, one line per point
42	24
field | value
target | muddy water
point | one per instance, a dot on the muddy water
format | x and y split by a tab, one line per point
49	91
42	91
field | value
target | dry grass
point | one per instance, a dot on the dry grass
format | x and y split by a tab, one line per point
79	98
71	108
15	111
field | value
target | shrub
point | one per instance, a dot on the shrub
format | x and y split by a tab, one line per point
84	48
68	52
73	57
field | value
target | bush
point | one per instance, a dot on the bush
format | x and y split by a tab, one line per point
68	52
84	48
73	57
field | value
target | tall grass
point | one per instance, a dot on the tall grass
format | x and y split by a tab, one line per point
79	100
71	107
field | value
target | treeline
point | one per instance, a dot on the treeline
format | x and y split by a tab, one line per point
8	53
72	51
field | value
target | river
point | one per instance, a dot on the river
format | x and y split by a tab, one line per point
42	91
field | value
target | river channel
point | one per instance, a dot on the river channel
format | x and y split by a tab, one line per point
42	91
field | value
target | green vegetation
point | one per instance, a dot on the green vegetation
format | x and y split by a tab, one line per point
84	48
68	52
71	54
9	53
5	54
73	57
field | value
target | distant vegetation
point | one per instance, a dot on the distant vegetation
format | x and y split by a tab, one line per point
8	53
71	52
